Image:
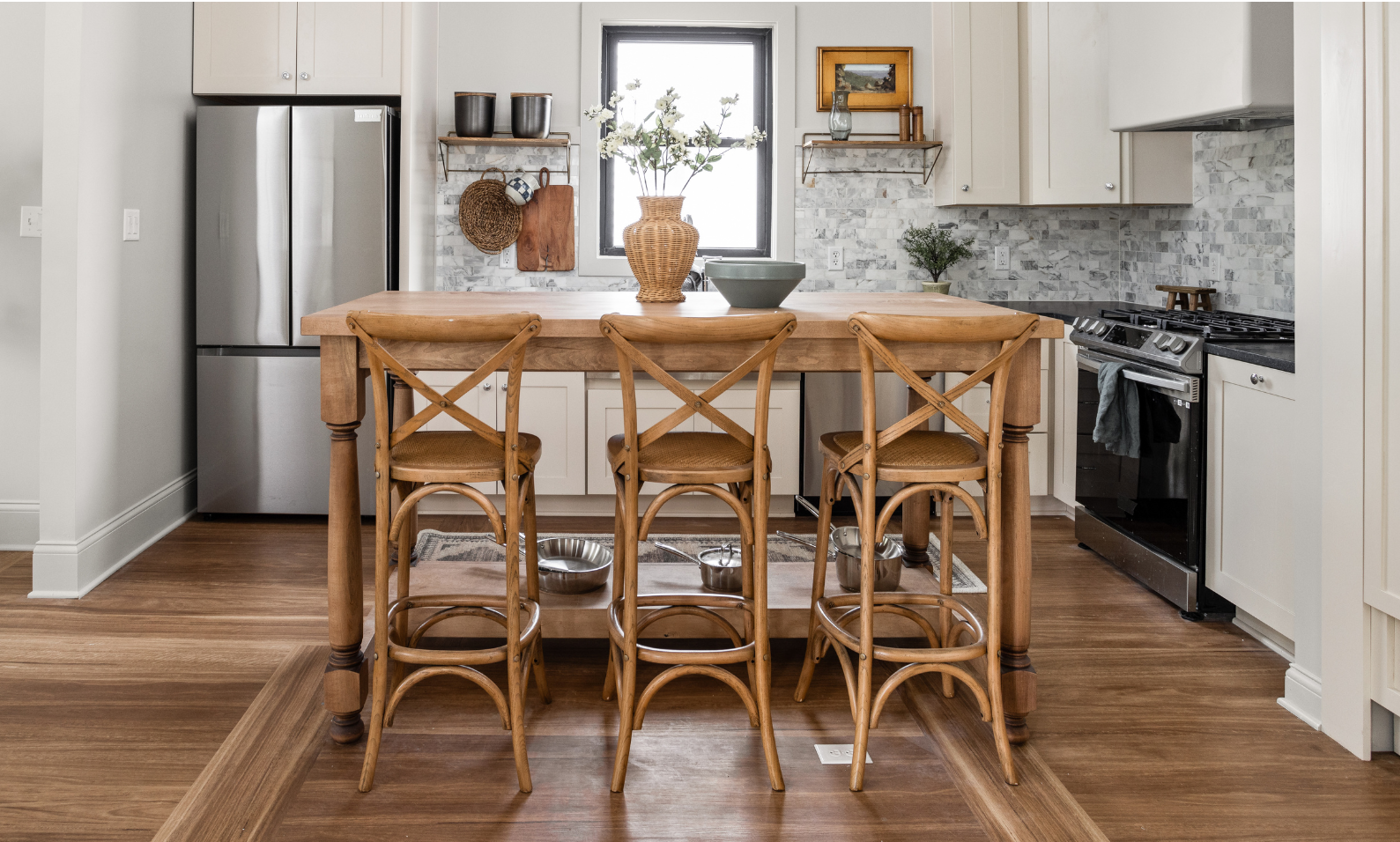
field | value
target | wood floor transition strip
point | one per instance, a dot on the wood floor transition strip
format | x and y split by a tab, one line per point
245	789
1040	809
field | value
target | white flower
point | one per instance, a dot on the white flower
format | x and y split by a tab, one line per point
592	113
671	119
605	115
634	84
752	138
627	130
728	100
614	99
678	136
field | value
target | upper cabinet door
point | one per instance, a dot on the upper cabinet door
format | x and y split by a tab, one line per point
348	48
1074	159
976	80
245	48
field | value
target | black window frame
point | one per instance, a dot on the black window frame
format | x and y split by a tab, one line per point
762	98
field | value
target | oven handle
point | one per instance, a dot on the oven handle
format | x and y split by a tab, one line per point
1185	386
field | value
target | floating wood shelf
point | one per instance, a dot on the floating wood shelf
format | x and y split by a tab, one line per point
556	140
813	142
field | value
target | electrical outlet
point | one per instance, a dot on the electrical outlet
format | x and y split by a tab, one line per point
838	754
508	257
835	259
31	222
1003	257
131	224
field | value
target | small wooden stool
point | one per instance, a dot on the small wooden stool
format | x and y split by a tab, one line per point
1191	298
688	462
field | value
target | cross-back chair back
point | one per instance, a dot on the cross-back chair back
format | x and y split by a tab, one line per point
875	330
771	329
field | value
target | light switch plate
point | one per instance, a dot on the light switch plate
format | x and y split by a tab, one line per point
31	221
838	754
1003	257
131	224
508	257
835	259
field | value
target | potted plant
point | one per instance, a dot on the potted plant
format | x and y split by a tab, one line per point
934	249
661	246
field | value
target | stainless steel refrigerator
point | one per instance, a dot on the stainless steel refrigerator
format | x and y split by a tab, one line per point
294	209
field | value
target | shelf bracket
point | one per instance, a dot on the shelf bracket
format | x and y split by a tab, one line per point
444	156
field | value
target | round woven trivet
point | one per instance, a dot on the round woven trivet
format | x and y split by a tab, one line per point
487	218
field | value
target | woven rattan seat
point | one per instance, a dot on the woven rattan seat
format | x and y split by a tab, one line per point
691	457
917	455
454	456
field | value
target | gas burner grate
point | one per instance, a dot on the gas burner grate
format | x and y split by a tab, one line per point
1209	324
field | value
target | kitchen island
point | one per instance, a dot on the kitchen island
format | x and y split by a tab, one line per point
569	340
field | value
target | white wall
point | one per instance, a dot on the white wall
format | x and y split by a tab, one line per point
117	440
21	170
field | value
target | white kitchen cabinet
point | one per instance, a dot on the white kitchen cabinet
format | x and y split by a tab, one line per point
976	103
297	48
1064	414
551	407
245	48
1069	154
976	403
654	403
1250	482
348	48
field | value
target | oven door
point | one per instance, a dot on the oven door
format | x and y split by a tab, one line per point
1156	498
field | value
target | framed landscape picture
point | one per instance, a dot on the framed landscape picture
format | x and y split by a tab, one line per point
878	78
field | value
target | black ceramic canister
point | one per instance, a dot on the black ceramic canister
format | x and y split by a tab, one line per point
529	115
476	114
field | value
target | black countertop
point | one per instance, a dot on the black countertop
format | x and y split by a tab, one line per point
1275	355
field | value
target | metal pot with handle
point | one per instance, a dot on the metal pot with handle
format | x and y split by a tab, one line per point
845	545
571	565
721	568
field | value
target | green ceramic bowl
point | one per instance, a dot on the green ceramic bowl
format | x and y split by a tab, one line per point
754	283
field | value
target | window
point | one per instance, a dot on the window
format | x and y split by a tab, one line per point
732	205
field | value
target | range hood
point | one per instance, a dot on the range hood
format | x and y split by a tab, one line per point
1199	66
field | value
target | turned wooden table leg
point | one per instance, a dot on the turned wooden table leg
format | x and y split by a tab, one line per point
342	407
1022	413
913	512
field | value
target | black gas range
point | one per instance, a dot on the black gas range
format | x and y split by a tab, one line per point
1143	508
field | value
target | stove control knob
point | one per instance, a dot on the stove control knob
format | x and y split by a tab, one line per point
1100	328
1178	345
1162	341
1078	323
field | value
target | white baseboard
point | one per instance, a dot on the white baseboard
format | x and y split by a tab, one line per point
1302	695
70	569
19	524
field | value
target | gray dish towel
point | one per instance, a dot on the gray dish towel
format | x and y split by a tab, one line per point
1117	425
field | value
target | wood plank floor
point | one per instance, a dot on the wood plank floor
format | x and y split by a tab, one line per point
124	714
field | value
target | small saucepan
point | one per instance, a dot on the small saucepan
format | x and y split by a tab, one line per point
845	544
721	568
571	565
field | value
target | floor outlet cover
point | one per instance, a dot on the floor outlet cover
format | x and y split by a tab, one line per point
838	754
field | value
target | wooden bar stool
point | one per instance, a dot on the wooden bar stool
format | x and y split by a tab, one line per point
413	463
732	465
933	462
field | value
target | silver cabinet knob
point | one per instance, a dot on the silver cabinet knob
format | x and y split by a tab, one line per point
486	387
965	187
1256	379
286	75
305	75
1108	185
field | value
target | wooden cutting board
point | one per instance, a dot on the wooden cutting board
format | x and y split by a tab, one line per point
546	241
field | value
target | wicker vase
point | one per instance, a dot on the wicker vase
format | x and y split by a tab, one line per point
660	248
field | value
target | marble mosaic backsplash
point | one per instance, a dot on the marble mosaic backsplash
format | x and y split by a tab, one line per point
1237	237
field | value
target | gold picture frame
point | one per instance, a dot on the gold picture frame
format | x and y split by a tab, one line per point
879	78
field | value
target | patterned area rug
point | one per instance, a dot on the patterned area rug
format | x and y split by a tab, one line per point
472	547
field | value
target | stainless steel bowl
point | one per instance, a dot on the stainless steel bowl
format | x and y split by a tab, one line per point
530	115
572	565
845	546
475	113
721	568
